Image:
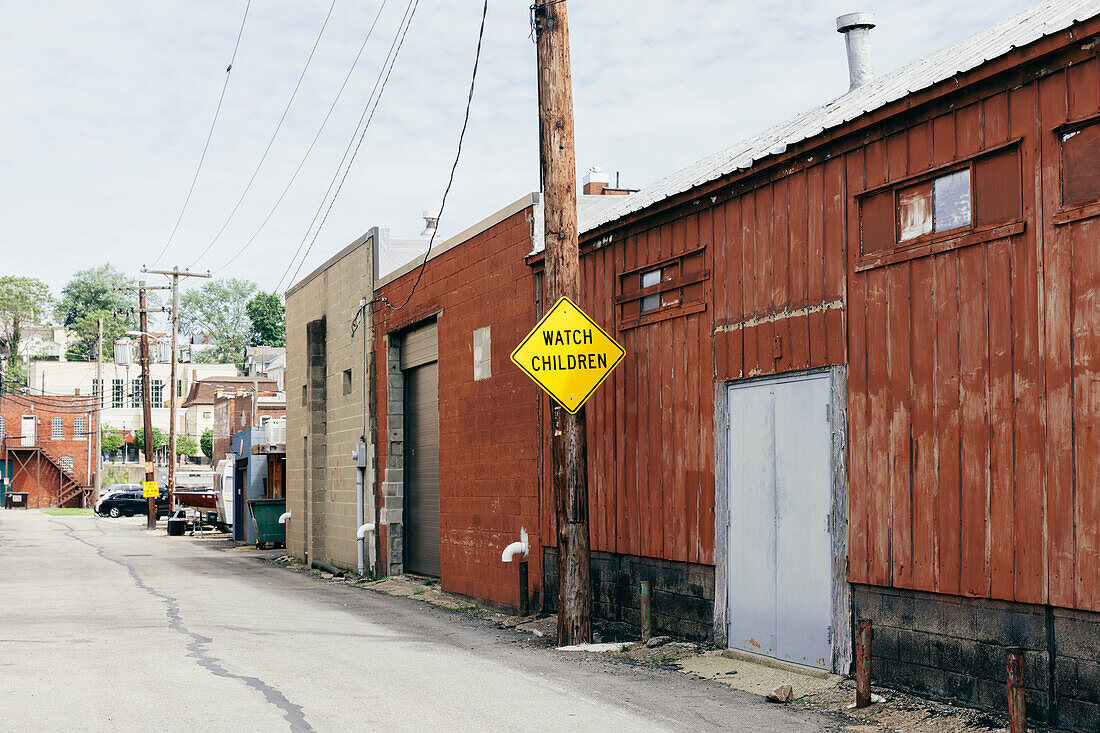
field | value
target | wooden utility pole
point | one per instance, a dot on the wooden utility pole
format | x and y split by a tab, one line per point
99	413
569	448
146	403
175	274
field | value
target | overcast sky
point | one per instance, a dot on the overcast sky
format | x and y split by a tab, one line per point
106	106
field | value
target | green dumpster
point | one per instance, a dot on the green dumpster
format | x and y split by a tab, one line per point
266	513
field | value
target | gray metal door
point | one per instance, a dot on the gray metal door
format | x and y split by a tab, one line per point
421	371
780	584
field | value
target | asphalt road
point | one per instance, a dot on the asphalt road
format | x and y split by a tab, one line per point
105	626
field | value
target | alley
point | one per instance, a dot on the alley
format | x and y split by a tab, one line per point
106	626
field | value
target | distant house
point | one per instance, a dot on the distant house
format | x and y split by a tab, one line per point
199	405
44	342
240	409
259	360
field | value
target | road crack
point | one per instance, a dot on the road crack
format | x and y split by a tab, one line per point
197	643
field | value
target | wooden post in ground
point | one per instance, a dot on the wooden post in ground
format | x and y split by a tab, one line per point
1017	703
864	634
569	449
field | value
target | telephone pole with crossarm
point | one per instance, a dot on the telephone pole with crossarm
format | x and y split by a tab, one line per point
569	447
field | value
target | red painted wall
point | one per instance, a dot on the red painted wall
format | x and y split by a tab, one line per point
488	432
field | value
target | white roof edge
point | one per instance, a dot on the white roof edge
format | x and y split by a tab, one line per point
439	248
1022	29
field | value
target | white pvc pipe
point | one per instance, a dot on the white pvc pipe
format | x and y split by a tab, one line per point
516	548
284	518
362	532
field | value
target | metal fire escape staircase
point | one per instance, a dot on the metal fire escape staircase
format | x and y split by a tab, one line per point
69	486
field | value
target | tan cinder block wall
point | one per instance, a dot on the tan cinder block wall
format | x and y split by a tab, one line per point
322	496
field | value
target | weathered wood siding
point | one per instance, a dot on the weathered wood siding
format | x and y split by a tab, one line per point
779	275
973	401
650	425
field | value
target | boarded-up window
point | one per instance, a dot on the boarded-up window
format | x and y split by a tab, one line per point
914	211
877	223
1081	165
483	348
939	205
997	188
984	193
666	288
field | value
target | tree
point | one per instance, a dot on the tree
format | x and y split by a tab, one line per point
207	442
92	294
186	446
220	308
159	440
265	310
111	440
23	302
86	329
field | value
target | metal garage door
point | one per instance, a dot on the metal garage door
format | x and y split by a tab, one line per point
419	354
780	584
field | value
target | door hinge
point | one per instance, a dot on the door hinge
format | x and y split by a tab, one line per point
829	634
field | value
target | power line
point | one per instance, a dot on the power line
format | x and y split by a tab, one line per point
454	167
210	134
312	143
271	141
410	11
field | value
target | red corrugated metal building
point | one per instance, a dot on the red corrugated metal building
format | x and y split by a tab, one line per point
859	383
934	247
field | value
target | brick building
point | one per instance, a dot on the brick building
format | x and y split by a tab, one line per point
47	448
238	409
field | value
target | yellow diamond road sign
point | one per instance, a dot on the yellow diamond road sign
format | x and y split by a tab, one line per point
567	354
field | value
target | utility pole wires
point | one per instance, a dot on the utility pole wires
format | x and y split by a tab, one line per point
146	404
175	273
146	394
569	447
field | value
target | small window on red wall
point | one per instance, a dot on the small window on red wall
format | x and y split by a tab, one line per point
981	192
938	205
1081	165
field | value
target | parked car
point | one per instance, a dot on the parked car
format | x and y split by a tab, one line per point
129	503
112	490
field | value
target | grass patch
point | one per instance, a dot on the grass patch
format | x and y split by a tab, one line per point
67	512
418	592
427	582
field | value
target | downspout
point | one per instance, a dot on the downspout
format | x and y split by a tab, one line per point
360	457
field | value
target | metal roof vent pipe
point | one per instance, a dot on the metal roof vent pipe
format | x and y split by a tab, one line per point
430	222
856	28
